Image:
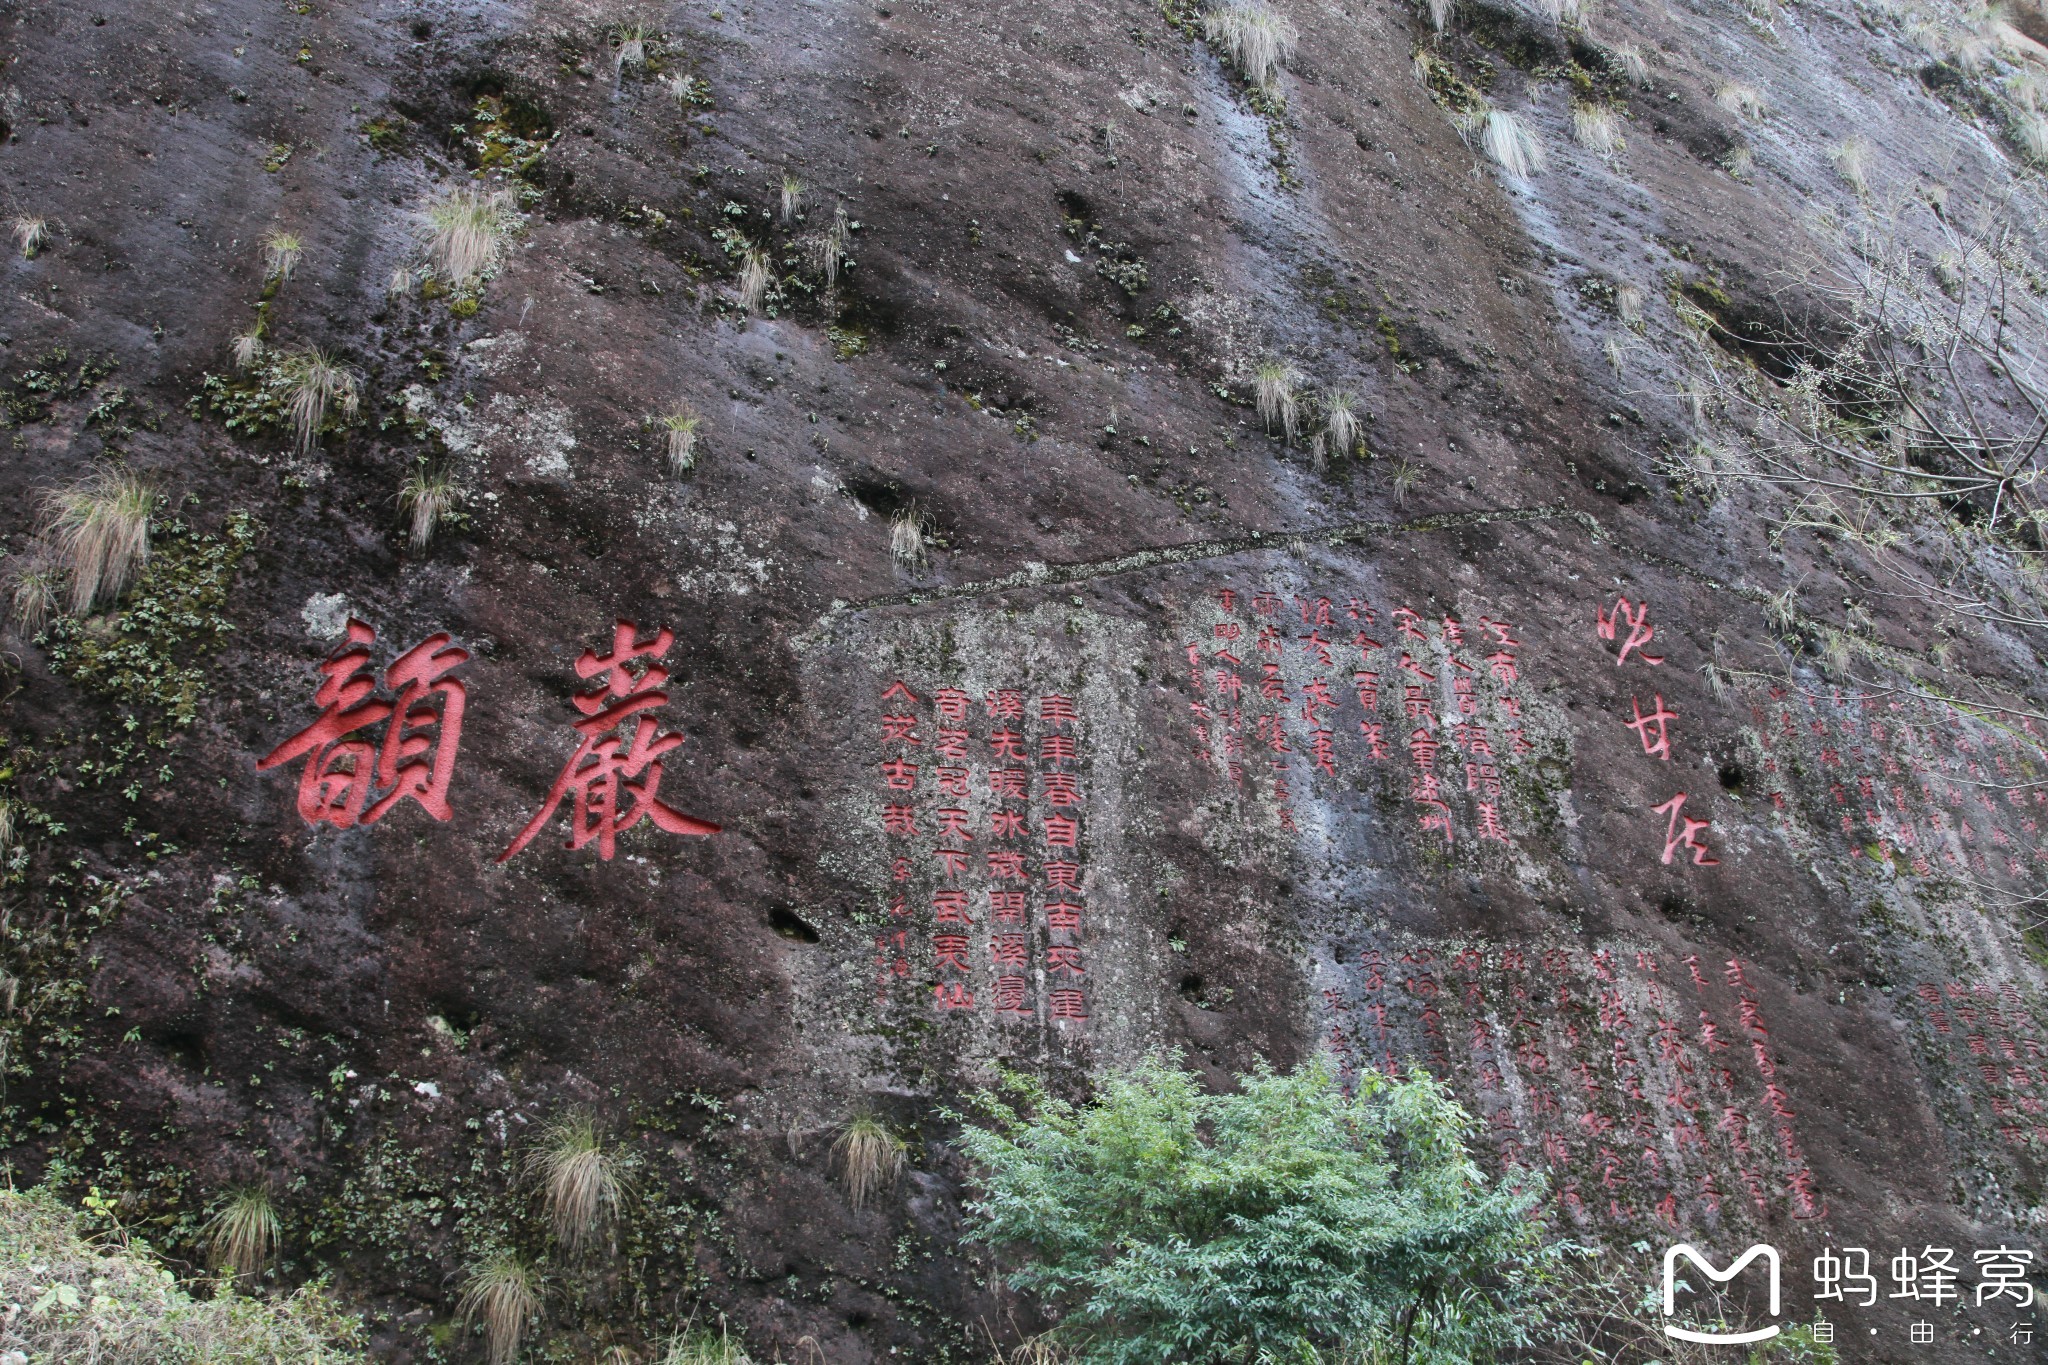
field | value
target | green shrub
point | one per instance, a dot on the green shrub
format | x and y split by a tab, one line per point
114	1304
1283	1222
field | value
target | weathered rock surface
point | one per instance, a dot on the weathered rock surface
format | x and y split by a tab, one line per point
1349	760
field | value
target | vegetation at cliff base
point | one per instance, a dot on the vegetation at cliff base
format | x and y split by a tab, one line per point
1285	1221
109	1300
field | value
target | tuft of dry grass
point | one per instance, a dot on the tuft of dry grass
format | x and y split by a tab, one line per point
579	1180
468	228
755	279
315	381
832	246
425	497
1561	11
100	529
34	600
1405	477
243	1233
30	234
1739	161
247	348
681	425
1510	145
281	252
907	538
399	283
869	1158
1616	353
1596	128
503	1293
2031	130
1628	304
1852	162
1254	36
1277	386
1631	62
629	48
792	198
1339	435
1439	12
1740	99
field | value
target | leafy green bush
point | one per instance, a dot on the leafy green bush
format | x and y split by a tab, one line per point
116	1305
1283	1222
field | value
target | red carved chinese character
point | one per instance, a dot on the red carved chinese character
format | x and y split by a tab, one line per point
1062	918
1640	631
951	951
1066	876
1064	957
1060	832
897	690
1006	703
1069	1004
953	996
900	730
1659	744
899	820
1006	824
340	776
1006	907
1010	995
1062	790
950	907
601	772
898	775
1681	831
1009	782
953	823
952	704
1056	710
1009	950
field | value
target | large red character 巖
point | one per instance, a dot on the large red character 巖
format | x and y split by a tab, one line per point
601	772
416	760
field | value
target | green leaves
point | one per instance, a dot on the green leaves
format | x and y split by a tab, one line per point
1286	1220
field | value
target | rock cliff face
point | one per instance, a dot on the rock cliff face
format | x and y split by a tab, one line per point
1160	562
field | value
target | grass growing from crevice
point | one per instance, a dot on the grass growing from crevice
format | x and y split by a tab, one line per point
99	528
243	1233
502	1293
681	426
579	1180
426	497
315	381
869	1158
467	232
1253	36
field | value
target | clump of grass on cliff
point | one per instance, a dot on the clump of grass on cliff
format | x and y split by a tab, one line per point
1278	386
315	381
467	232
681	426
503	1294
579	1179
869	1158
110	1301
100	529
702	1346
1254	36
426	497
243	1233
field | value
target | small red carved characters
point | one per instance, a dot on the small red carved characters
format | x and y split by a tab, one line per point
416	760
601	772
